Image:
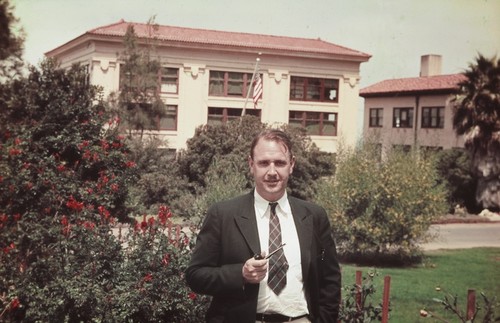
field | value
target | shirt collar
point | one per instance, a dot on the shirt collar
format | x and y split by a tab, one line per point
262	204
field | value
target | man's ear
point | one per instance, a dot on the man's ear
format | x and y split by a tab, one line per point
292	164
250	163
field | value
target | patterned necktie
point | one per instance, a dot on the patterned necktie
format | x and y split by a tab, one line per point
278	265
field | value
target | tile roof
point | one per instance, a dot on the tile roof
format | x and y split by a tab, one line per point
234	39
428	84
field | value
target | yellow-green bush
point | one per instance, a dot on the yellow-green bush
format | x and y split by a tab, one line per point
381	207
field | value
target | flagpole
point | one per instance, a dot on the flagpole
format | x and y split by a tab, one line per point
251	85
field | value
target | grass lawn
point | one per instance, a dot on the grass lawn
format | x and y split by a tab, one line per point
453	271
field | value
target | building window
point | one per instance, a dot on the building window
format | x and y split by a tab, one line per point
169	80
314	89
403	118
433	117
402	148
223	115
168	121
376	117
229	83
316	123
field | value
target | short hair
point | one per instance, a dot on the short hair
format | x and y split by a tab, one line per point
276	135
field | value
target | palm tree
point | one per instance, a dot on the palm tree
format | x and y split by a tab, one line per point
477	117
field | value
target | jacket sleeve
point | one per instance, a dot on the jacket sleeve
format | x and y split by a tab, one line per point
329	273
206	274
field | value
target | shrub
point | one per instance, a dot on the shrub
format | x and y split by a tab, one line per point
63	187
231	142
357	305
455	170
381	209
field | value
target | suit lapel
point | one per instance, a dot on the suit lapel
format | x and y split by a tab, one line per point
247	223
304	225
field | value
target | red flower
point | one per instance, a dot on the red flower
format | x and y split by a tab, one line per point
61	167
15	303
151	221
14	152
114	187
166	259
17	217
74	204
88	225
164	214
85	143
148	277
192	296
64	221
103	212
104	144
130	164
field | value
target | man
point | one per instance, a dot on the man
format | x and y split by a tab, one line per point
300	282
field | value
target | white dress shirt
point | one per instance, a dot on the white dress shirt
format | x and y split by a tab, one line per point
291	301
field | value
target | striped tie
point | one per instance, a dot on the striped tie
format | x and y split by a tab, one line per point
278	265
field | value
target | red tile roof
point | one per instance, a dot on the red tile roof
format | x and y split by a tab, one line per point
428	84
234	39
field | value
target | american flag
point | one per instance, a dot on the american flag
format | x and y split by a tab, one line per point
257	90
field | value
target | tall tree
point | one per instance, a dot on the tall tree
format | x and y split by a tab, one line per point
139	103
477	117
11	42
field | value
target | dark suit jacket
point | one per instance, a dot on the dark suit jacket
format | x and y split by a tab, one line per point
229	236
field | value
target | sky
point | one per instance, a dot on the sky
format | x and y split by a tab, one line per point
396	33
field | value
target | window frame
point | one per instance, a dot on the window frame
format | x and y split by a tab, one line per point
379	118
229	114
426	120
226	81
303	88
306	121
406	125
162	76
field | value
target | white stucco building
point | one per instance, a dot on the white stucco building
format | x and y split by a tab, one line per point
206	73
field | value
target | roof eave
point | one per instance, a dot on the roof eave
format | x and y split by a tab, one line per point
408	93
89	36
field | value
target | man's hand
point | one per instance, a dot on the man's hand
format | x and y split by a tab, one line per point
255	270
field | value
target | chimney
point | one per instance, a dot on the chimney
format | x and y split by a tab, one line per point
430	65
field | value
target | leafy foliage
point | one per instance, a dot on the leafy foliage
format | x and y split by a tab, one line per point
381	209
450	304
11	42
357	305
454	169
230	144
477	117
139	105
64	184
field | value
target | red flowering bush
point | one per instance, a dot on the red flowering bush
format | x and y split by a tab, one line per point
152	286
65	174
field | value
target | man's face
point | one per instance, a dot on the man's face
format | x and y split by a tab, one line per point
271	167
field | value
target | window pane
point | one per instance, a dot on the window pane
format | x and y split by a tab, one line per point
313	123
330	91
329	124
169	78
235	84
169	122
233	114
313	89
216	86
215	115
297	88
